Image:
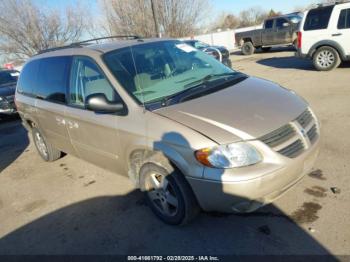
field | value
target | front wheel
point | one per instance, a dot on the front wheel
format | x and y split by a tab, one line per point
248	48
326	58
168	194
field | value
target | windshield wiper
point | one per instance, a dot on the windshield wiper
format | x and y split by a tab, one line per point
208	77
197	87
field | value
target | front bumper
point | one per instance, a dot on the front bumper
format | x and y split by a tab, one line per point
7	105
227	62
250	194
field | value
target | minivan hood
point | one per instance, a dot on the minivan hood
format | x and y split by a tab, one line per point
247	110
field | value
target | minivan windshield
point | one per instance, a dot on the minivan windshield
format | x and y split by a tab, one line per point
154	71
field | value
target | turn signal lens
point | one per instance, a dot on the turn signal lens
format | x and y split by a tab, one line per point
202	156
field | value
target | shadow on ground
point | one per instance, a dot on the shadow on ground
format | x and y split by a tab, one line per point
281	49
13	141
289	62
292	62
125	225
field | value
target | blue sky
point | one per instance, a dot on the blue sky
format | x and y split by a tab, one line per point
235	6
230	6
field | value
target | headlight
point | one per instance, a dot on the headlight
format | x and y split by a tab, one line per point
229	156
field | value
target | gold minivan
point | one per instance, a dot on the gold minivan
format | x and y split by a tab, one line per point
190	132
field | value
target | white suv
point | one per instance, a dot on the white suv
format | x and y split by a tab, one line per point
324	36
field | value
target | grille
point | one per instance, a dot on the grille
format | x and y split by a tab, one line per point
286	140
293	150
10	99
279	136
305	118
225	54
312	134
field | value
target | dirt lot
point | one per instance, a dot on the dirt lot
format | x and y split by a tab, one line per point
72	207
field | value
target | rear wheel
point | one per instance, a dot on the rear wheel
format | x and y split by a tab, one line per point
326	58
168	194
45	149
248	48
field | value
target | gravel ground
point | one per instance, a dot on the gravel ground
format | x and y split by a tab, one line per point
73	207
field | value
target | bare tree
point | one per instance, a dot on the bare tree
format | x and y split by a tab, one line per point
252	16
176	18
226	21
272	13
26	28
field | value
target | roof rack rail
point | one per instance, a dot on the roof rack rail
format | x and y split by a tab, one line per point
338	2
85	42
108	37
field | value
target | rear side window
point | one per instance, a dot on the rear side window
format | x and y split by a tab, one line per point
28	78
268	24
53	79
318	18
344	19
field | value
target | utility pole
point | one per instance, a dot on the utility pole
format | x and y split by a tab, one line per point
156	26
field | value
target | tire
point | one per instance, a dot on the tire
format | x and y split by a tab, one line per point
168	194
47	152
266	49
248	48
326	58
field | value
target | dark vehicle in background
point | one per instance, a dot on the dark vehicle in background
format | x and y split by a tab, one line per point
8	81
219	52
281	30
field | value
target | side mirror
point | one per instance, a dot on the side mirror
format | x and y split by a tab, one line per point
99	103
286	24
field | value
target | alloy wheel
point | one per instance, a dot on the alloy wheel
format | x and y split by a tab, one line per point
40	143
162	194
325	59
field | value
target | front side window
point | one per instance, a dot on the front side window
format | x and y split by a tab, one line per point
153	71
344	19
318	18
52	79
269	24
87	79
28	78
280	22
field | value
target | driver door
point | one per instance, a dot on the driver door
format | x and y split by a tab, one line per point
93	135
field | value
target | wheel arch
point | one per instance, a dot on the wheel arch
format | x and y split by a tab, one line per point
247	39
29	123
163	155
328	43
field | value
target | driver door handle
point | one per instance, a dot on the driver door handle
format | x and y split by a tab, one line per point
338	34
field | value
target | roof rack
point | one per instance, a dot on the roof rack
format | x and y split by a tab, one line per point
86	42
339	2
